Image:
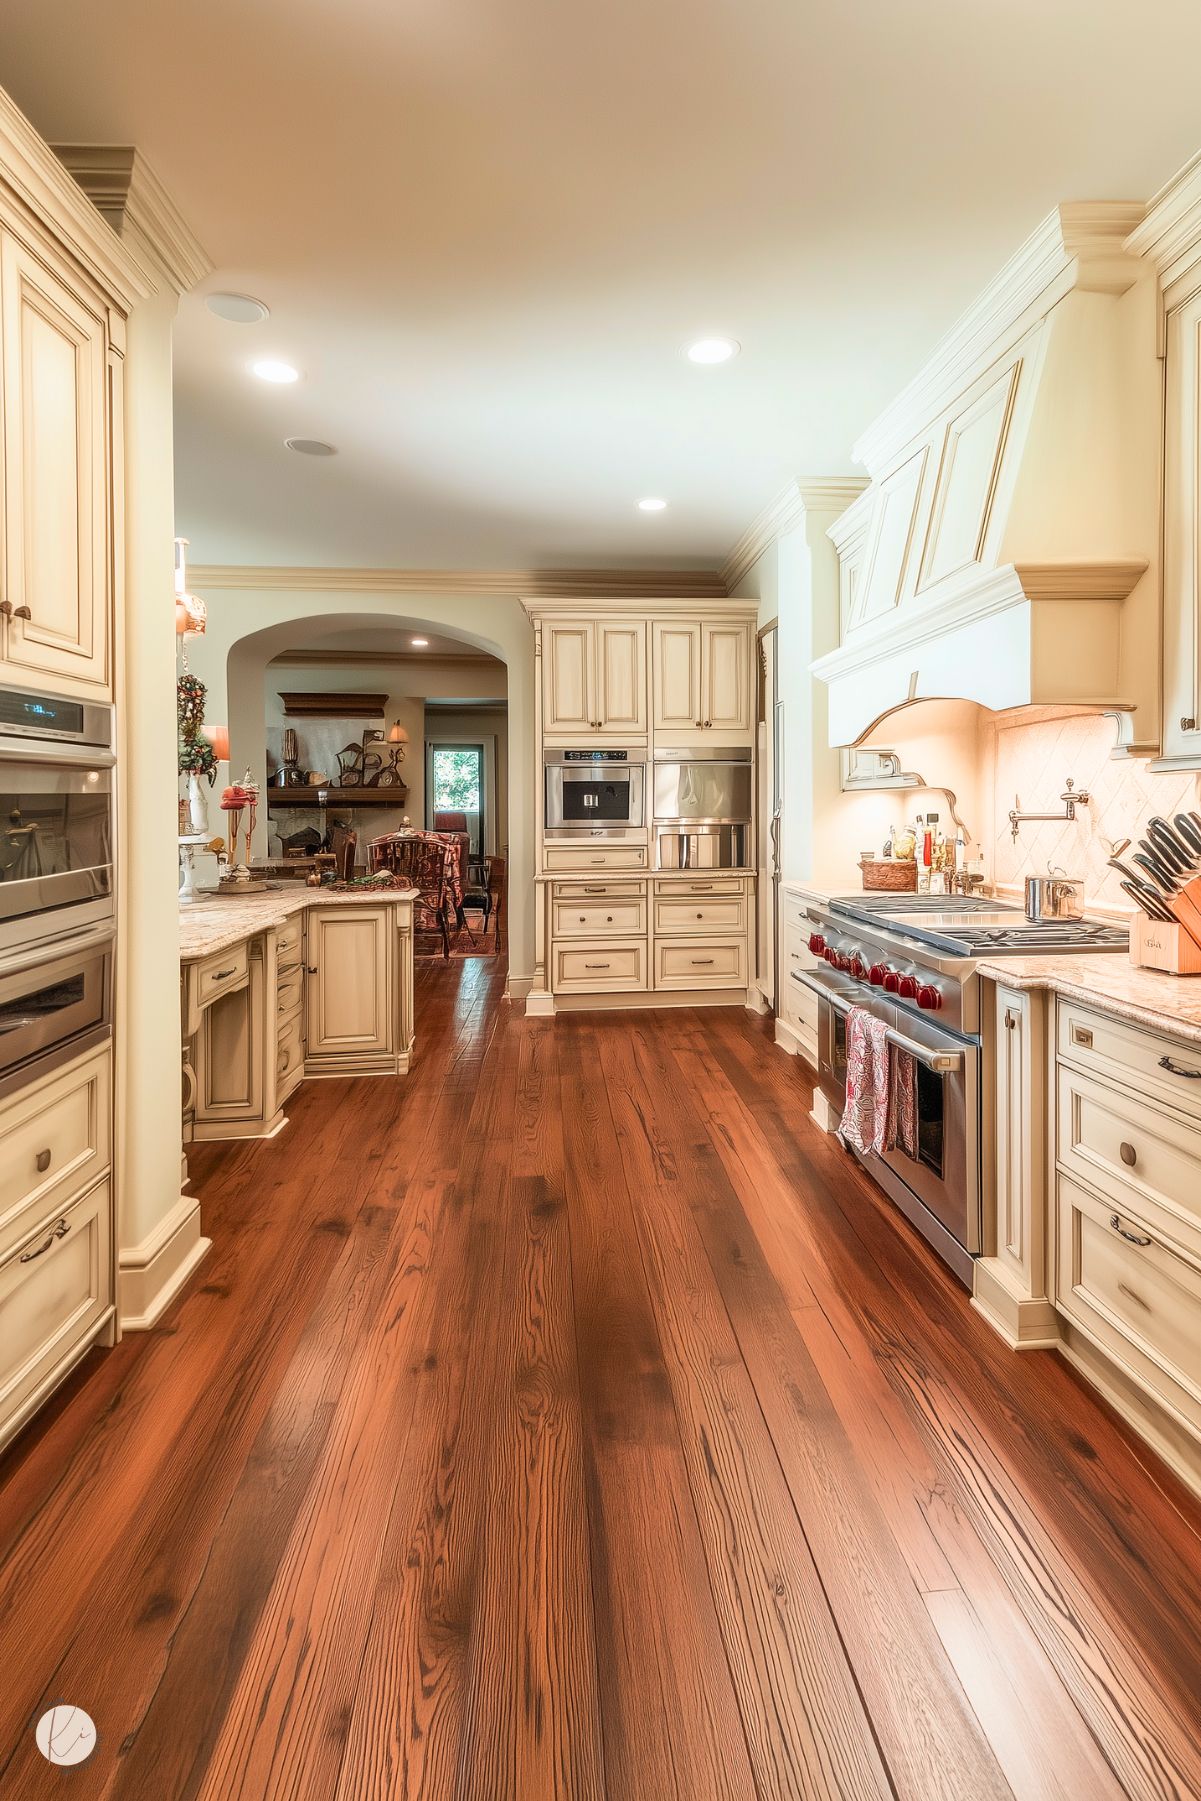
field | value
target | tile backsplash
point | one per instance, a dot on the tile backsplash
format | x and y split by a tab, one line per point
1032	759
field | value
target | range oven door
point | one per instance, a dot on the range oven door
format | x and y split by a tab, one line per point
56	837
594	797
936	1156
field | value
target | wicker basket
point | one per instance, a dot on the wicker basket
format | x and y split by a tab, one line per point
896	874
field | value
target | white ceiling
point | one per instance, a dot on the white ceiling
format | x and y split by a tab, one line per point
486	227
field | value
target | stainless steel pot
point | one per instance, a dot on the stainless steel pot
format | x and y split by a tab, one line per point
1054	896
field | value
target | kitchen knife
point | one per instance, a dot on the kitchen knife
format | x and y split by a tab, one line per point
1147	901
1168	839
1163	878
1171	854
1189	830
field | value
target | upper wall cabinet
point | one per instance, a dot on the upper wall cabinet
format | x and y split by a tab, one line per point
701	681
594	679
56	486
1170	236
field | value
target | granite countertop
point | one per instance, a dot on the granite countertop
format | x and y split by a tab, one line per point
1111	984
207	926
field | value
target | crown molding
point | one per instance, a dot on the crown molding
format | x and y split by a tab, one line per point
819	494
1170	234
384	659
125	190
1081	244
33	173
580	584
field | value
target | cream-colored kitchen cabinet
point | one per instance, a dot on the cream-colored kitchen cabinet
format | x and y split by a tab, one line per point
348	988
594	679
701	682
57	492
1182	529
1011	1276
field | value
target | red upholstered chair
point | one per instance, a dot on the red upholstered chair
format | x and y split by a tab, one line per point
450	822
422	863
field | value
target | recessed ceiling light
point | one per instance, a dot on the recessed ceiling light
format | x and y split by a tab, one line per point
311	447
239	309
419	643
652	504
268	368
712	350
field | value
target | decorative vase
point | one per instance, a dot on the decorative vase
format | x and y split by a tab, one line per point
198	810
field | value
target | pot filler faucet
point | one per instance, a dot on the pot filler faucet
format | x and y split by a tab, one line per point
1070	798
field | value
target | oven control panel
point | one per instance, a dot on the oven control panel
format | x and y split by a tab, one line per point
909	983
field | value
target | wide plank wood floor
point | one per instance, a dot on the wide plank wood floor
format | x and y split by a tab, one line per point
571	1419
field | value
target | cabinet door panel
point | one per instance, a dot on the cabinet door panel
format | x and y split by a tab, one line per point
568	679
1182	532
726	662
347	991
55	476
621	677
676	678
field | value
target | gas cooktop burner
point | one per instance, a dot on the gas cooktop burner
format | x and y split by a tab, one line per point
975	926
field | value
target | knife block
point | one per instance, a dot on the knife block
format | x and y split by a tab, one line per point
1156	945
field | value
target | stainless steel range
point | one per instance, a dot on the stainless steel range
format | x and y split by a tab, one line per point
911	961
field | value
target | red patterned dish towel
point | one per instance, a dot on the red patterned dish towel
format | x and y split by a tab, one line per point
865	1116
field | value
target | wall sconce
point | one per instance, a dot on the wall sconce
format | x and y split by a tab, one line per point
397	740
398	735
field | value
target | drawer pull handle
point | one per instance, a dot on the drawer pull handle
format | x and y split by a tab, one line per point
593	890
43	1161
599	860
1136	1298
596	966
700	887
222	973
1082	1035
1130	1237
1128	1154
1178	1069
702	961
59	1231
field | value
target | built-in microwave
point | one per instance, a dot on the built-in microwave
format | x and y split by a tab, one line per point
594	793
56	817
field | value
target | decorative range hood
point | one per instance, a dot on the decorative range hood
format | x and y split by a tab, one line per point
1009	515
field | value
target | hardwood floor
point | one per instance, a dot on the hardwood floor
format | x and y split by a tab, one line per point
572	1419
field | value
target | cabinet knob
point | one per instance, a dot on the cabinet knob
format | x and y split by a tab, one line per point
6	611
22	613
43	1161
1128	1155
1188	725
310	969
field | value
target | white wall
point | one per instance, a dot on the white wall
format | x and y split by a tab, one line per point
248	627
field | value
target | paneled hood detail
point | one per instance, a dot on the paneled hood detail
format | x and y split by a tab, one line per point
1006	522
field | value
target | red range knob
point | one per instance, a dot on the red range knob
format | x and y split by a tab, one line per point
817	943
876	974
929	997
892	981
858	966
842	962
907	988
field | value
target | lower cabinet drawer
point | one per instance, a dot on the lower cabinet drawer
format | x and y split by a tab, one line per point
700	913
55	1287
588	918
797	1002
595	856
1135	1154
289	943
1136	1059
1137	1296
601	890
289	1056
683	887
222	974
55	1139
289	991
697	964
598	968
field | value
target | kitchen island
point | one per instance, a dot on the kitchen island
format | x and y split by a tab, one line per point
288	985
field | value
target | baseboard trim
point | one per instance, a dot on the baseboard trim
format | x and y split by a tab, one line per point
1025	1322
151	1274
518	987
647	1000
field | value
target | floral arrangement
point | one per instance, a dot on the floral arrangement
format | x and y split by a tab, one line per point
196	754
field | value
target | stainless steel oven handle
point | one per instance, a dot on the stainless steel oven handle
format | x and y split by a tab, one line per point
941	1062
55	750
